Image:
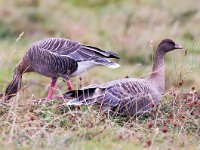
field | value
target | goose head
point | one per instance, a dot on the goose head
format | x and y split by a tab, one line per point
168	45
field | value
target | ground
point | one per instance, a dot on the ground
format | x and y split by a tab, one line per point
126	27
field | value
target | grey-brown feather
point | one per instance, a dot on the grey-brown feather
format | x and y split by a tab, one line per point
70	53
58	57
125	96
50	64
74	49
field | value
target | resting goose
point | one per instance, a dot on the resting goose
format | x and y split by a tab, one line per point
58	57
129	96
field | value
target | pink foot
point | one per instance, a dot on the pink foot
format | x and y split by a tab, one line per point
69	85
53	83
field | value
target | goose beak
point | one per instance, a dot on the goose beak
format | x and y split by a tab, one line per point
177	46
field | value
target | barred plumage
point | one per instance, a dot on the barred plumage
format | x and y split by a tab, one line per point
59	57
129	96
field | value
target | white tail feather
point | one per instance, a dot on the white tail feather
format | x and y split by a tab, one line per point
114	66
74	103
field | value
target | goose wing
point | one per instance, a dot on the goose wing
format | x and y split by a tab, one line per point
127	96
74	49
50	64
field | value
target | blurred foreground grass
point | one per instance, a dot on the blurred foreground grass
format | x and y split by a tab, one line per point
123	26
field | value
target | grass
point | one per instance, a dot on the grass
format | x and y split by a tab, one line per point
125	27
173	124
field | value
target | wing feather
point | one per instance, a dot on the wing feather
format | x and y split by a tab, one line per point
50	64
124	96
73	49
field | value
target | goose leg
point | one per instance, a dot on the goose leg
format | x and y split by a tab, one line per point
52	86
69	85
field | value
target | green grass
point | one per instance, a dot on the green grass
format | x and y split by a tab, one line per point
125	27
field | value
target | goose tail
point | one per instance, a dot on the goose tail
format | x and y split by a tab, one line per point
105	53
85	102
108	63
81	97
74	102
113	65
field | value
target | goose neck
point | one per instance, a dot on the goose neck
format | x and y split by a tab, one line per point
157	76
158	63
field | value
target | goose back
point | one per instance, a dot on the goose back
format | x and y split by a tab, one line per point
74	49
48	63
124	97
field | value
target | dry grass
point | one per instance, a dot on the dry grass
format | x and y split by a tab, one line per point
172	124
125	27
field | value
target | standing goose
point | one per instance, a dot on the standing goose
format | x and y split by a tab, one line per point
129	96
58	57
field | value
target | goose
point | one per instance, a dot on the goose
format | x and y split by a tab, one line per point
58	57
128	96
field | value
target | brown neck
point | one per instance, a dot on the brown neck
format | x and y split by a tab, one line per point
22	67
157	76
15	84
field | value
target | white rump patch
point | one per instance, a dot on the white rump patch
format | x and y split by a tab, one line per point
114	66
85	65
73	103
